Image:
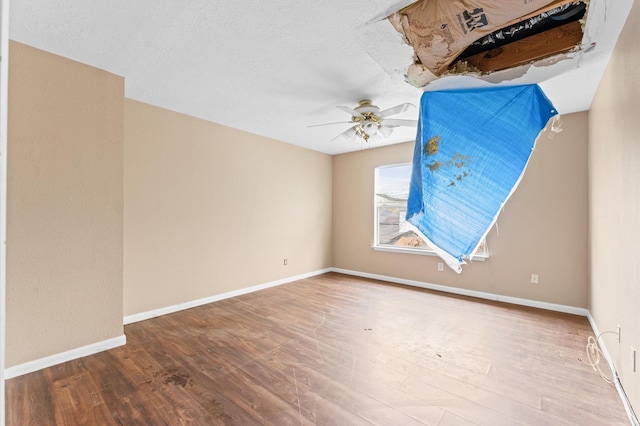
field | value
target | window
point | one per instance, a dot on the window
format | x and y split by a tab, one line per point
392	232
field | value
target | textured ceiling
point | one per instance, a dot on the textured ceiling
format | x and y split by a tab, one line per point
274	68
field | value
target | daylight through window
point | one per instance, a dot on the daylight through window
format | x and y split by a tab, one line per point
392	231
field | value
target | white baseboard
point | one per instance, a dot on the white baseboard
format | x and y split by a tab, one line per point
614	374
472	293
129	319
39	364
517	301
70	355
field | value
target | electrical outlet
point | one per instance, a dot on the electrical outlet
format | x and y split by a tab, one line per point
633	359
619	330
534	278
285	262
440	266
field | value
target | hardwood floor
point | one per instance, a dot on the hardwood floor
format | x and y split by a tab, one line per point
331	350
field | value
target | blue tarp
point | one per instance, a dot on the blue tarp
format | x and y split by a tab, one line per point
472	147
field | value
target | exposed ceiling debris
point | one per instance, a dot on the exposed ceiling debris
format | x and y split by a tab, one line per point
483	36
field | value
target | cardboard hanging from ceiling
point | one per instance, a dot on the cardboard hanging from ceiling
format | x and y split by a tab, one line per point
442	30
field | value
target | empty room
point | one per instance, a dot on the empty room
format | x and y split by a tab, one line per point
370	212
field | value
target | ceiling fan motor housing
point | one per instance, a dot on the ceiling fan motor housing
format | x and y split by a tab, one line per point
369	120
366	106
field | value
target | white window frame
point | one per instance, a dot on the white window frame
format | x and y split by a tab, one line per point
480	255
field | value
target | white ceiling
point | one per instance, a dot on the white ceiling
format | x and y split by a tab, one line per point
274	68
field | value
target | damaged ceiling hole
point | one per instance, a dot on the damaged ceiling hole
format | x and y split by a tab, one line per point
550	33
452	37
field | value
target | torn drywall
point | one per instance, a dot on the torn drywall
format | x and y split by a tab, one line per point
456	36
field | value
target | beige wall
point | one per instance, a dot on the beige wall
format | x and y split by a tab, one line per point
64	209
203	201
614	165
543	228
210	209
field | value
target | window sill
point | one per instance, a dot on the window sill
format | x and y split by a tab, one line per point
477	257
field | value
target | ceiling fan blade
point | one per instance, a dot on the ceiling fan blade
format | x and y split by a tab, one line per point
385	131
396	110
330	124
400	122
349	110
349	133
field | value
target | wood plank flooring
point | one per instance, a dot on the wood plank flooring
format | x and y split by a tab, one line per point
331	350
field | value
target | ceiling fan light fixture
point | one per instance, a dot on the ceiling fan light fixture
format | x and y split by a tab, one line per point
367	120
370	128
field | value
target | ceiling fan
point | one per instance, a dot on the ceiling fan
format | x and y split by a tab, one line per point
368	120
